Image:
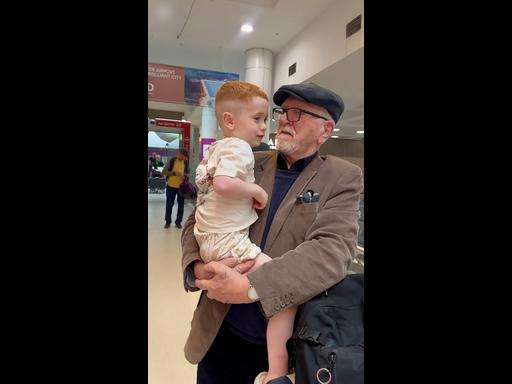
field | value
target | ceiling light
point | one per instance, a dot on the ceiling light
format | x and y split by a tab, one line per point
360	132
334	137
162	12
247	28
336	129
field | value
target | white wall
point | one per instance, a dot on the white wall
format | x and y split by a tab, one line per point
320	44
212	60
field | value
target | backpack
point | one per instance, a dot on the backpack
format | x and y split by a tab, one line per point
327	345
187	189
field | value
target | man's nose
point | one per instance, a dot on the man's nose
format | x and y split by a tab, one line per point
283	118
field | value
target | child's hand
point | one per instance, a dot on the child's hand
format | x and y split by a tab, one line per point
260	200
231	262
199	271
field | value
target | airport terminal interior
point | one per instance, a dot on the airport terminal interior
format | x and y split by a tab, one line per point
194	46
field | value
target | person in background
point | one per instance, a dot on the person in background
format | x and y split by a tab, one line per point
175	170
151	163
158	161
155	163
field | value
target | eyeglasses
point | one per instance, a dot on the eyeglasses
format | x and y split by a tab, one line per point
292	114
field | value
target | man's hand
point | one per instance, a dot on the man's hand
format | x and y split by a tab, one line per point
227	284
201	274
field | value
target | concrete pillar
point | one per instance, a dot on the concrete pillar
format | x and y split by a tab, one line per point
208	130
258	71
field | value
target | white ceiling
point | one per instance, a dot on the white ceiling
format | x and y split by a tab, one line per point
214	25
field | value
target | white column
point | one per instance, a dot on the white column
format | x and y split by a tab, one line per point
208	129
258	71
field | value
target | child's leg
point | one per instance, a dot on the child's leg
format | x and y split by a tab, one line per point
279	330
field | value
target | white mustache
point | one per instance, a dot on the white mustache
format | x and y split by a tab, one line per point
286	131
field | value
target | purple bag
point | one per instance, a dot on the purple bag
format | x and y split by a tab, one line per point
187	190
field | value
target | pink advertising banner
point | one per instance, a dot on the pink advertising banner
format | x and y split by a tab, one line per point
178	85
166	83
205	144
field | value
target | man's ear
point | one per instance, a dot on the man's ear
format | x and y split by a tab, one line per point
328	127
228	121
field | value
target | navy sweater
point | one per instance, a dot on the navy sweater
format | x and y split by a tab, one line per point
246	320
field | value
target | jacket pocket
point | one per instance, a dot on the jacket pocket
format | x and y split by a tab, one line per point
306	208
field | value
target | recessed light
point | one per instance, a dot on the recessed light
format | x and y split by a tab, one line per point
247	28
162	12
360	132
336	129
334	137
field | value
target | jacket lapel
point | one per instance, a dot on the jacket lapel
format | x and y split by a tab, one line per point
264	175
289	200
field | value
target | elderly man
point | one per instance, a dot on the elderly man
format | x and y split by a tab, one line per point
308	228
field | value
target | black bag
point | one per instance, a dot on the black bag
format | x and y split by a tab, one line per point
327	345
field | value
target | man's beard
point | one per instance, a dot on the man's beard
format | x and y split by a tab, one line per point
286	147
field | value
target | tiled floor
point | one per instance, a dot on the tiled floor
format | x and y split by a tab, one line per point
170	308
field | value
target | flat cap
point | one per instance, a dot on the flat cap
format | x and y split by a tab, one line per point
314	94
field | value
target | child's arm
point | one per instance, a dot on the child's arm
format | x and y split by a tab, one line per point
234	188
